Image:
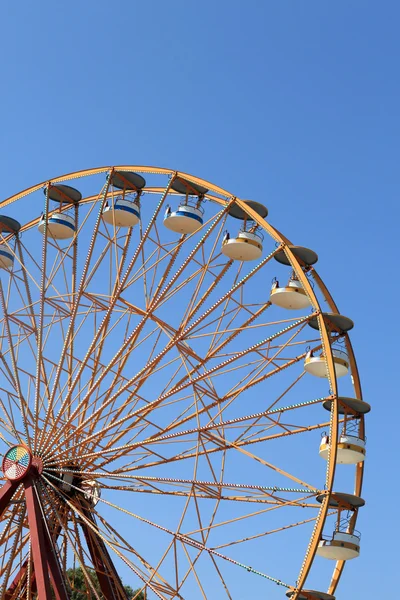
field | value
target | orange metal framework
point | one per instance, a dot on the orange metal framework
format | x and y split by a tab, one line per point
65	439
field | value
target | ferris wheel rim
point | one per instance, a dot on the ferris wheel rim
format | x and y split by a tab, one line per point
107	169
293	261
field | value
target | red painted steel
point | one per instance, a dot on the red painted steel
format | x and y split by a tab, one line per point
37	541
110	583
6	493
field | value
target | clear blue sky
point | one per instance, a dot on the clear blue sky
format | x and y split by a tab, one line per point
294	104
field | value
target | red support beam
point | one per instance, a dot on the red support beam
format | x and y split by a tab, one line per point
17	586
110	583
44	557
6	493
38	541
55	570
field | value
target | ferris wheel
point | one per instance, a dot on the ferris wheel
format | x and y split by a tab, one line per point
180	407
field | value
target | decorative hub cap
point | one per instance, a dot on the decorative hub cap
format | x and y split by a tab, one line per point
16	463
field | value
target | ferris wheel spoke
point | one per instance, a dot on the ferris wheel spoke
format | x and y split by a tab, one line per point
110	308
83	557
196	302
139	412
120	451
132	262
42	287
12	553
9	527
165	435
151	360
219	446
211	490
161	560
112	545
127	342
103	375
205	409
207	373
150	574
262	512
118	278
16	379
8	421
188	541
161	292
251	377
76	301
74	543
130	341
270	532
270	410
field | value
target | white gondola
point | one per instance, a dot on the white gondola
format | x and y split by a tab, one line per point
186	219
122	213
315	365
92	491
6	259
8	226
342	546
293	296
246	246
350	449
60	226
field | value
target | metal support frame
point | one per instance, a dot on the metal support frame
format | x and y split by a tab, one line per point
6	493
18	582
109	581
47	574
37	541
45	559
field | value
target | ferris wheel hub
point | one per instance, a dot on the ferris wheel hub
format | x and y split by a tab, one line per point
17	463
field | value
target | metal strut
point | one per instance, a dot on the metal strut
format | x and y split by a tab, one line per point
47	580
45	561
110	583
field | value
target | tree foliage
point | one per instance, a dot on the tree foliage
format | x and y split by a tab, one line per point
80	587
